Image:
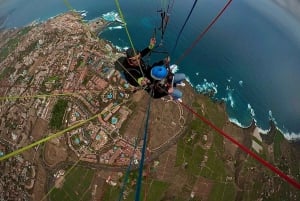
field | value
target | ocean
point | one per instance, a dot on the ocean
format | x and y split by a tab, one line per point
249	58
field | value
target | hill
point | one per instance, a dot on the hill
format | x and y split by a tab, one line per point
60	89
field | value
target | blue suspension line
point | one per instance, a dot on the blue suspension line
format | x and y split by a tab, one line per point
127	173
186	20
139	181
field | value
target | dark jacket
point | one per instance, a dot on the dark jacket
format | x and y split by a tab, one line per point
133	73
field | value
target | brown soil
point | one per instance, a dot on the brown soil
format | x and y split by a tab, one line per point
39	129
165	122
237	134
55	152
202	188
59	182
39	186
98	184
166	118
136	123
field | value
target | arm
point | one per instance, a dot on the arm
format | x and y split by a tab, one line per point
165	62
145	51
148	49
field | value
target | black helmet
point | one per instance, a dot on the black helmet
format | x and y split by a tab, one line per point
130	52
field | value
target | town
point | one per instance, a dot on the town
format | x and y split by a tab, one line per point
84	78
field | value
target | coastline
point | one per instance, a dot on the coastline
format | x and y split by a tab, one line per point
291	136
169	120
210	89
98	24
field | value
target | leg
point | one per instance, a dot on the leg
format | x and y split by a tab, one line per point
176	94
179	77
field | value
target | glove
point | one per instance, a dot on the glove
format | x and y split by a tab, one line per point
152	43
143	81
167	60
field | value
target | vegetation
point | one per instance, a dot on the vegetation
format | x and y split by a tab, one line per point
153	188
52	79
6	71
80	62
257	141
27	51
222	191
215	114
86	79
278	138
9	47
206	162
191	156
58	112
214	167
51	83
25	30
72	189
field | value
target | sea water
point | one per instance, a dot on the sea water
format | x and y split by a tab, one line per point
249	58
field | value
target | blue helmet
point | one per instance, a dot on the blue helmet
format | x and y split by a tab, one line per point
159	72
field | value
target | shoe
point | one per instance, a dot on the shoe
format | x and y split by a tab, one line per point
173	67
181	84
179	100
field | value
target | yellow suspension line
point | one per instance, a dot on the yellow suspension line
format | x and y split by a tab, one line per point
127	32
68	5
35	96
125	24
18	151
14	153
164	4
66	173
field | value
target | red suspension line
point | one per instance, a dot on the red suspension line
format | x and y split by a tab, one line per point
245	149
188	50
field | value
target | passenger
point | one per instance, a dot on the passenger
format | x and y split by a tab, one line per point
164	82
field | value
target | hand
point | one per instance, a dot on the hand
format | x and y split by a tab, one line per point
143	81
152	43
170	90
167	60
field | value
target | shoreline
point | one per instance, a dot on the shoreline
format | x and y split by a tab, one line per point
210	89
290	136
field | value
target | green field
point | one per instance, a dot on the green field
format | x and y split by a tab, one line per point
189	152
277	141
153	188
222	191
76	186
58	112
